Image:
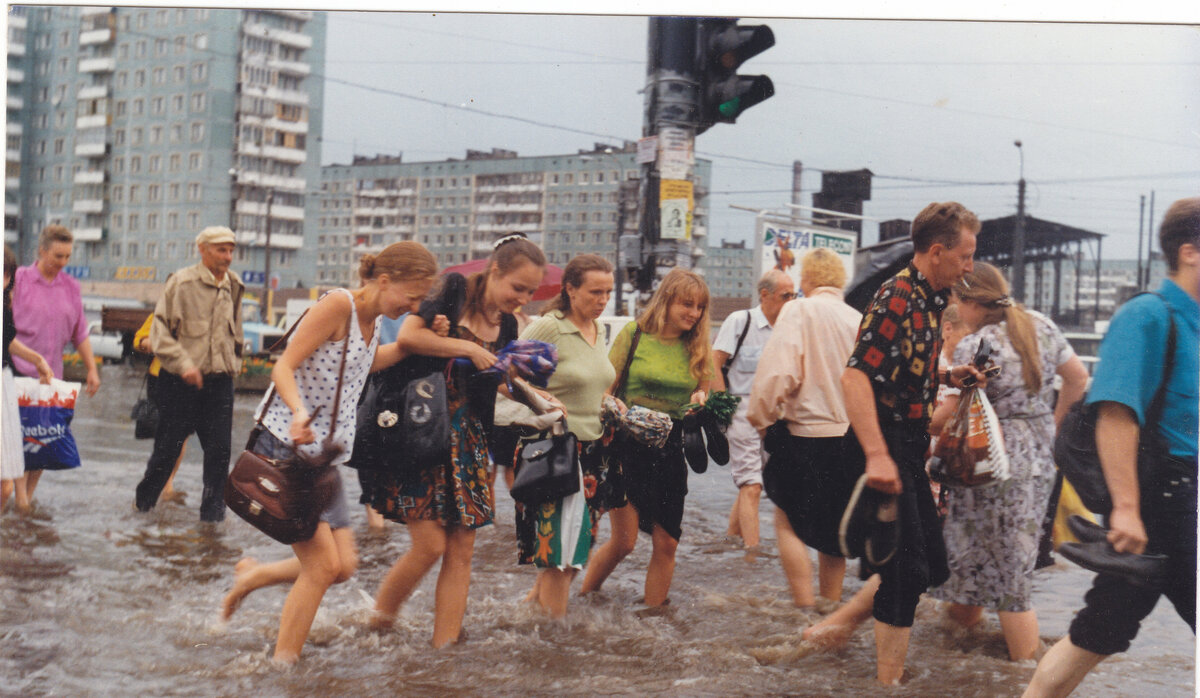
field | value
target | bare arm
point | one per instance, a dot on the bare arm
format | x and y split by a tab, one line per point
416	338
43	368
719	359
89	360
942	414
1074	384
323	322
1117	433
881	470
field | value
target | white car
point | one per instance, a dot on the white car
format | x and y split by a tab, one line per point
109	346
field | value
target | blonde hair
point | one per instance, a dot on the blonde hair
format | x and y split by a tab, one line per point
400	261
822	267
987	287
677	285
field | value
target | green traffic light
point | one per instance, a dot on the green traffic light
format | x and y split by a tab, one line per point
731	108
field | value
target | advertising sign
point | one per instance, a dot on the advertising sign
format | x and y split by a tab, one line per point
783	245
675	205
136	274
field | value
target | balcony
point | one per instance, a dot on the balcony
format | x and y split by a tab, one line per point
93	92
96	36
90	177
508	188
284	37
507	228
16	76
259	208
12	208
93	121
12	155
104	64
88	206
289	67
17	21
88	234
278	240
508	208
292	155
276	182
91	150
294	97
12	184
15	103
303	15
16	50
92	10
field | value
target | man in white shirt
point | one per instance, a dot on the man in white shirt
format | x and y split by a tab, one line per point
735	352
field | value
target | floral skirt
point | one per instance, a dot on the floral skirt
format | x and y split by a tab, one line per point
457	492
560	534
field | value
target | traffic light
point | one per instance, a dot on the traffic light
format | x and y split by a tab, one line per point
723	46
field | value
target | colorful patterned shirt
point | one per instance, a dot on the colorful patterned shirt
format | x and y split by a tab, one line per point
898	346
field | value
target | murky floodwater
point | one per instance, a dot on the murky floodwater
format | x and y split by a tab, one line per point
97	600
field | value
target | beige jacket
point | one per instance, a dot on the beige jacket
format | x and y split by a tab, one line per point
799	375
198	323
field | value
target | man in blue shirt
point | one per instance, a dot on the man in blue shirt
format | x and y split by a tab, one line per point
1153	510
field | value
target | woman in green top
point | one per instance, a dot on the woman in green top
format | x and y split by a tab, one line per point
557	536
645	488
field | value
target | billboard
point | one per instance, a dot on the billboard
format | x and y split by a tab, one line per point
780	245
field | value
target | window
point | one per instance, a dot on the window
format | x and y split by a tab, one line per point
174	162
199	72
173	188
200	41
58	146
139	78
139	106
176	134
159	76
155	166
137	136
122	78
156	106
198	101
156	133
194	161
135	166
180	44
177	103
134	194
151	224
194	191
139	49
121	107
118	193
179	73
197	131
133	221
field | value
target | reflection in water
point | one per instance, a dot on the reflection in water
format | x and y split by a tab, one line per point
98	600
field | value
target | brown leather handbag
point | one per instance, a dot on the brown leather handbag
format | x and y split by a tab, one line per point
284	498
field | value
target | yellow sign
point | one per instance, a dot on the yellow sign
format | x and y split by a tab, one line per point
675	206
136	273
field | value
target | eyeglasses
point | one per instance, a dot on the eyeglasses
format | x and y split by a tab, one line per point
788	296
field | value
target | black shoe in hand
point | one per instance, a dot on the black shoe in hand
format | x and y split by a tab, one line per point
1147	571
1086	531
693	443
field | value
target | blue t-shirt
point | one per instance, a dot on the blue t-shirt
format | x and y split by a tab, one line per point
1132	359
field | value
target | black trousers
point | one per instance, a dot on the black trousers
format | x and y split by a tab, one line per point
184	410
1115	608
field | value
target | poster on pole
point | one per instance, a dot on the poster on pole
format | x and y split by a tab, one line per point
782	245
647	149
675	207
676	156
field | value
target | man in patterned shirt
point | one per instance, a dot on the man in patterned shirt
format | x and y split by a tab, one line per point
890	383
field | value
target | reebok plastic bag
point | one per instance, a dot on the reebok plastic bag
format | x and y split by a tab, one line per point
46	413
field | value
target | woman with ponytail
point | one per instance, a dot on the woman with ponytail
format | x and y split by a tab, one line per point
445	503
671	367
992	532
393	283
557	536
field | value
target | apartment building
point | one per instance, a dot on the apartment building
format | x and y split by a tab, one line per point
568	204
138	126
729	270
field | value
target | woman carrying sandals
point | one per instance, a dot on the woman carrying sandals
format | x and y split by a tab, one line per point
670	367
343	325
992	532
557	536
445	503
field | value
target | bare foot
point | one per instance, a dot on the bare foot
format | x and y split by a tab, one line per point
375	520
380	620
830	636
241	586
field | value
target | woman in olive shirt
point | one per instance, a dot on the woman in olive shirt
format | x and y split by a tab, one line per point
557	536
671	367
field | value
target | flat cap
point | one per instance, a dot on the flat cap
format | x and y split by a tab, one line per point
215	235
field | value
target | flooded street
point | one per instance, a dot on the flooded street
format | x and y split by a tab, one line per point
98	600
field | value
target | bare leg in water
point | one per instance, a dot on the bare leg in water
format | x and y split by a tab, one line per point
834	630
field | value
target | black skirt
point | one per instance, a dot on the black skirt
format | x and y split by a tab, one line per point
810	480
654	480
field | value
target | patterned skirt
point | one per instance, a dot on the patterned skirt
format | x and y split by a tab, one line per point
560	534
455	493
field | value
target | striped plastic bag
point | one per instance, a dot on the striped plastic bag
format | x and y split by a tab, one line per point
970	448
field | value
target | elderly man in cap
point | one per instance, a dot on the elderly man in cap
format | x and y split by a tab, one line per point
197	335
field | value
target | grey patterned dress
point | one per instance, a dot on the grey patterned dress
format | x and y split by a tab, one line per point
992	532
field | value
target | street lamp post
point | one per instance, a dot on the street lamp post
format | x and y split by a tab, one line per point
1018	250
267	262
622	205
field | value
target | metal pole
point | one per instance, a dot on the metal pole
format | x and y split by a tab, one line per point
1018	250
266	310
1141	223
1149	239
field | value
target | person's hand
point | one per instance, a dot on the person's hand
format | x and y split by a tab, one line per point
144	345
301	429
482	358
622	408
193	377
45	375
699	396
960	373
93	381
441	326
883	475
553	401
1126	532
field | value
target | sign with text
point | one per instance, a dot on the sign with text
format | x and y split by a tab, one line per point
675	205
782	246
252	277
79	272
136	274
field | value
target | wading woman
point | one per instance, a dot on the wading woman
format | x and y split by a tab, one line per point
671	366
394	282
445	503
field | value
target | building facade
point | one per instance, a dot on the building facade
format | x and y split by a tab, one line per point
567	204
138	126
729	270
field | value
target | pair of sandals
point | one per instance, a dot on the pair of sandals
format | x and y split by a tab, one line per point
870	526
703	438
1095	553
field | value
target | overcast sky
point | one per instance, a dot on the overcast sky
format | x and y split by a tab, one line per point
1106	112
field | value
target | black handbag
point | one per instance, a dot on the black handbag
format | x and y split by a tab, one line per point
1075	451
144	414
547	468
411	423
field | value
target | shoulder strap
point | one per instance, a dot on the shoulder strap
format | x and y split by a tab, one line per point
637	334
738	347
1154	412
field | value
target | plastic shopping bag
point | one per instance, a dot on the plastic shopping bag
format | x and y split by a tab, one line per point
46	412
970	449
